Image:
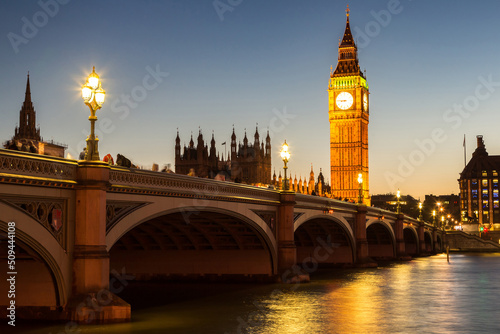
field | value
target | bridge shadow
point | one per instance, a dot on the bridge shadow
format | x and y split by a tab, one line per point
324	242
381	242
35	288
194	246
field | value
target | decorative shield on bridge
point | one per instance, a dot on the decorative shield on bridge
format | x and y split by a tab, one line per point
56	219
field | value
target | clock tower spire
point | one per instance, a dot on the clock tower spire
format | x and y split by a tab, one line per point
349	116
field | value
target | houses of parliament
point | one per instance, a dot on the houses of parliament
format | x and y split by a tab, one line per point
348	113
246	163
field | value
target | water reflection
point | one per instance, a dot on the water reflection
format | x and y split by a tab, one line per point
427	295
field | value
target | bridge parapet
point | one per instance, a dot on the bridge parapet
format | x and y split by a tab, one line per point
22	165
323	203
165	184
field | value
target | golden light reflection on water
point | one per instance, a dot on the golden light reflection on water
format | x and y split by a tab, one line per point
294	313
351	307
426	295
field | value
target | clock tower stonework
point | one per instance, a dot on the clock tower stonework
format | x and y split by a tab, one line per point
348	102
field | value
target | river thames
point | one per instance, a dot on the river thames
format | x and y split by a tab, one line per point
425	295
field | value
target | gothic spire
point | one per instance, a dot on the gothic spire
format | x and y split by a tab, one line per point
347	40
27	95
233	136
27	118
348	54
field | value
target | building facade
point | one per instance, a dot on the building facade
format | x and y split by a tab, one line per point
246	163
479	190
348	101
27	136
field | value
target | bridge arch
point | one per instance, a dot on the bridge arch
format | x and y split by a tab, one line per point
410	236
326	239
439	244
381	239
196	224
429	247
51	264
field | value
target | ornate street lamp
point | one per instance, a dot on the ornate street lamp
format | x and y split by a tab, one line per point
360	181
93	95
285	155
420	210
398	195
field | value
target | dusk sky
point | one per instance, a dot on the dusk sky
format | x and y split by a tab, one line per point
432	68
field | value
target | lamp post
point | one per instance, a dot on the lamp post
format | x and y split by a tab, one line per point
442	222
434	218
420	210
93	95
285	155
360	181
398	195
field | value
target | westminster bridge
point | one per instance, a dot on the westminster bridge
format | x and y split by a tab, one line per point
82	228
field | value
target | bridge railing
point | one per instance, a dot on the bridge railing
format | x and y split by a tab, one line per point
327	204
23	164
392	216
160	183
323	203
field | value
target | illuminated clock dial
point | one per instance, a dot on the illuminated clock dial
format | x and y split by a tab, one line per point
365	102
344	100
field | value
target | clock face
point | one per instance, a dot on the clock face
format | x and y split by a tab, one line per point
365	102
344	100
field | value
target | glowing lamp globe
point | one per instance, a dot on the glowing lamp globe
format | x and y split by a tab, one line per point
86	93
93	79
100	94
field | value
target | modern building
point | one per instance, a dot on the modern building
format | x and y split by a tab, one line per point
479	199
348	100
27	136
246	163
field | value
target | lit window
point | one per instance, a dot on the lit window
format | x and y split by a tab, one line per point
495	173
485	182
485	194
484	173
474	193
495	193
496	204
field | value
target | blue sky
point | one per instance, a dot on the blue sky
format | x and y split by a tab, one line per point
432	68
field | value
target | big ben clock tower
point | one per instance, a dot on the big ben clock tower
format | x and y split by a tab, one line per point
348	101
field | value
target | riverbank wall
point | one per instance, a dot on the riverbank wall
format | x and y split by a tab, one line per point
462	242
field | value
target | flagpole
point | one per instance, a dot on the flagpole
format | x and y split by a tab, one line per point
465	153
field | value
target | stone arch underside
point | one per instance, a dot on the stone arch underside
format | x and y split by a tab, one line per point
381	243
439	243
43	266
411	241
39	284
429	247
324	241
193	244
